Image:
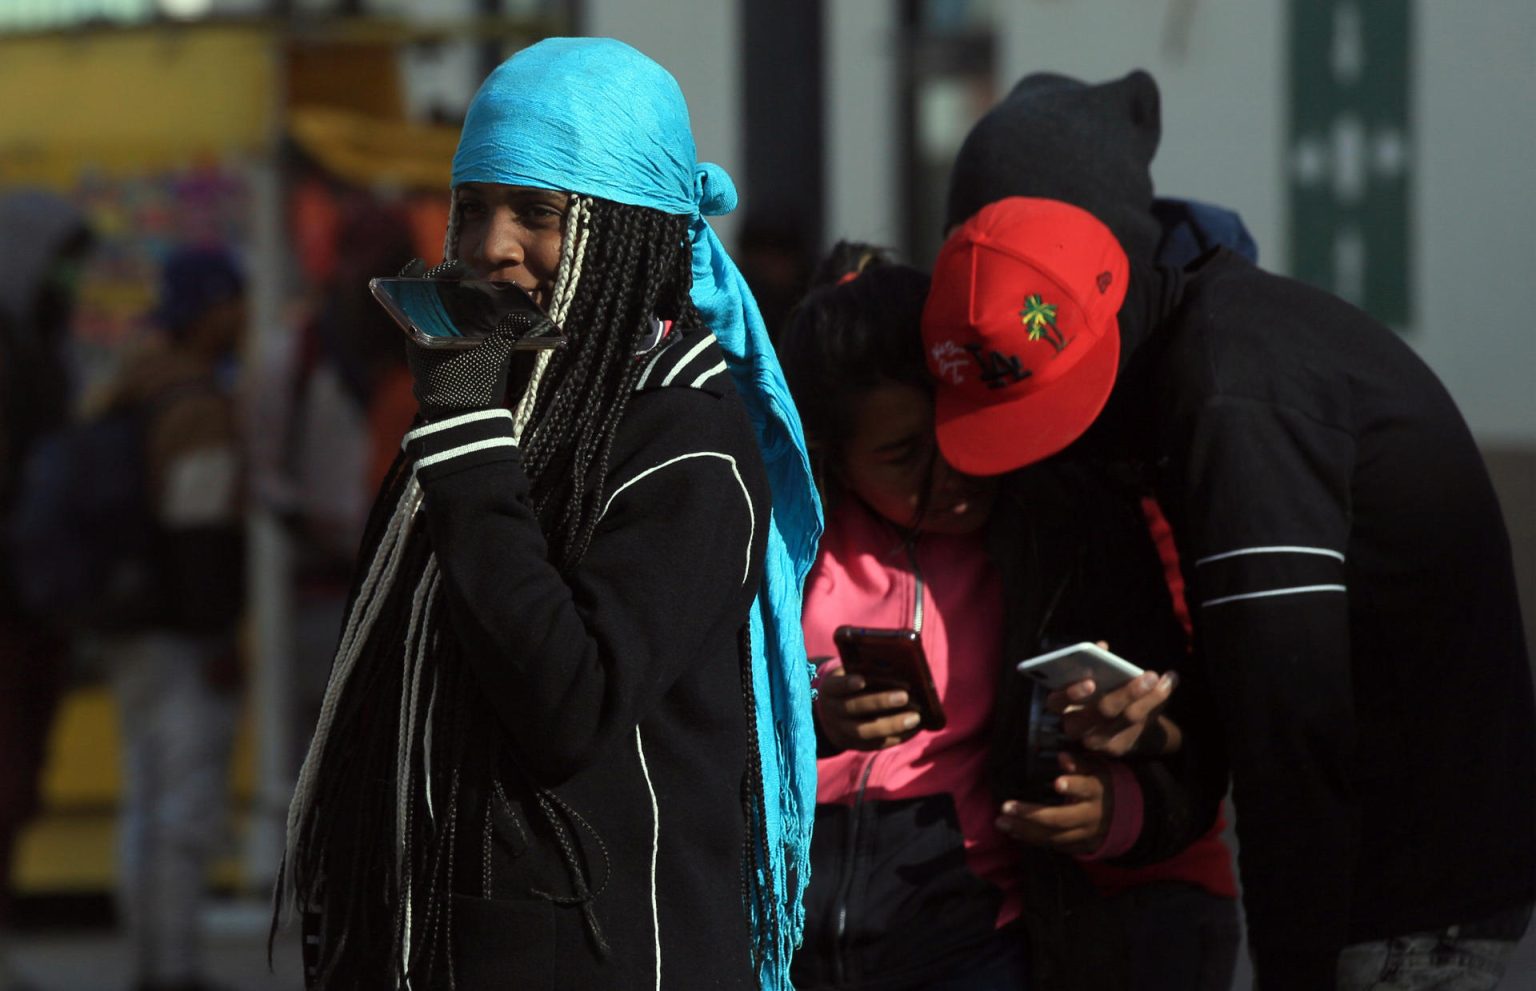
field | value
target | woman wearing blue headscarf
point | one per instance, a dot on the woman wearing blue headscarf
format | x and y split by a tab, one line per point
566	740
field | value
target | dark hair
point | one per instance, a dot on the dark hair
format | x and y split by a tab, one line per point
646	265
846	338
847	260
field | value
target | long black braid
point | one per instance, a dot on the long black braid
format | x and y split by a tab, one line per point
402	698
646	264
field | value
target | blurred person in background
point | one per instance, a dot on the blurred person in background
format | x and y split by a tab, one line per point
43	243
177	677
1349	576
319	474
953	857
775	260
567	737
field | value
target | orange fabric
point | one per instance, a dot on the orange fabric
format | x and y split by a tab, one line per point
1206	862
390	412
1168	553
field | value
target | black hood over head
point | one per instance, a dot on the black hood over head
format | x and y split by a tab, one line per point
1057	138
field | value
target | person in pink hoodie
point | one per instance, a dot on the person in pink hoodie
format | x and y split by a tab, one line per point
936	864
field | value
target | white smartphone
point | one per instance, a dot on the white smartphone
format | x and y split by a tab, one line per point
1060	668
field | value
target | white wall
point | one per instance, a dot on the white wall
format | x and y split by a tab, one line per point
698	41
1221	72
1221	67
1475	239
861	113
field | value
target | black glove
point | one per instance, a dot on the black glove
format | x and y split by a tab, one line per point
450	379
465	378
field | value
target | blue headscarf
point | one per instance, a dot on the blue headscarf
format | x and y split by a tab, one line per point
594	116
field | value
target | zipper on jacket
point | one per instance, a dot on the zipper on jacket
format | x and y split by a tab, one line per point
856	811
845	886
917	587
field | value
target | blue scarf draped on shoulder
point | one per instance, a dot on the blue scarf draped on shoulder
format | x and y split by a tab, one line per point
595	117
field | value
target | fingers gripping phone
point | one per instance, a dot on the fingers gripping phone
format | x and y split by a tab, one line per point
892	660
1060	668
449	313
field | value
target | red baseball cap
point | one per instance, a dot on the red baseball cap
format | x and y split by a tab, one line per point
1020	333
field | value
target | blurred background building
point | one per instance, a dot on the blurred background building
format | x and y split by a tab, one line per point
1381	150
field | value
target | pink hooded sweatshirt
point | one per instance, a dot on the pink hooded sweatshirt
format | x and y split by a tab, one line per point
946	588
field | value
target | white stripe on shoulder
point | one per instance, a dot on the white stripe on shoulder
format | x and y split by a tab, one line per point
751	513
707	376
1325	552
649	367
463	449
1297	590
693	353
645	771
428	429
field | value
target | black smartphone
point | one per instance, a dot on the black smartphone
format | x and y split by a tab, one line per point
459	313
892	659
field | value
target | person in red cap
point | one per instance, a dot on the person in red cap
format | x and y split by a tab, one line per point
1348	572
972	855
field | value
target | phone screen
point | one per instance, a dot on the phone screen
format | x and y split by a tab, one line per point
460	312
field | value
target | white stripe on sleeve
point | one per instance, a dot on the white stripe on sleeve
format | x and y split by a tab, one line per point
427	429
1270	550
464	449
1296	590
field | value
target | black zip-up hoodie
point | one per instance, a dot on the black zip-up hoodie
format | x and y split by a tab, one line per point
1346	562
618	690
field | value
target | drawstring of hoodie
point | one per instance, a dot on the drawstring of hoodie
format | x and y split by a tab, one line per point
565	821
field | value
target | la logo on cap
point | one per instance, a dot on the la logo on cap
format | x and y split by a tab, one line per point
998	370
1019	332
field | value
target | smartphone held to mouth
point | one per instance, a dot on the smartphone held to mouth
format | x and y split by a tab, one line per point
452	313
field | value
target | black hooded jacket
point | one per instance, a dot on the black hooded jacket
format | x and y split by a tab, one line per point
1346	562
37	229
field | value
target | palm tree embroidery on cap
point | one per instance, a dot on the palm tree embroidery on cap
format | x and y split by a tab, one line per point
1039	319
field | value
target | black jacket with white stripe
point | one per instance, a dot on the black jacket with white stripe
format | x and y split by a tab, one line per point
620	691
1355	612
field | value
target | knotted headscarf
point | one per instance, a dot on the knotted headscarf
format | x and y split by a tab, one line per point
595	117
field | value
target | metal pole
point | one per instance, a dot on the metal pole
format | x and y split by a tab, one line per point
270	565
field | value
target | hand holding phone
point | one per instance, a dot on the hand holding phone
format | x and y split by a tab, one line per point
1121	714
892	660
456	313
1073	817
463	333
1060	668
851	716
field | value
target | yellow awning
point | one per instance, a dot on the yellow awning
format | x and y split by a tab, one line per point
371	151
133	100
